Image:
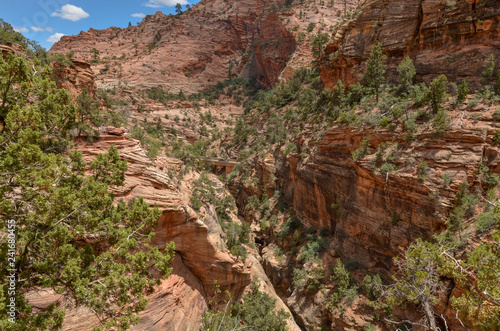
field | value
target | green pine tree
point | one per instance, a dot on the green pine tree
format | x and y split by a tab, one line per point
88	115
436	94
489	70
69	235
375	69
407	74
178	8
318	43
463	90
95	54
420	271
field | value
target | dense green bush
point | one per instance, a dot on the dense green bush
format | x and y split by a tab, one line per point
310	279
344	285
291	224
463	90
372	286
315	245
375	69
441	122
255	312
486	221
437	93
407	75
465	207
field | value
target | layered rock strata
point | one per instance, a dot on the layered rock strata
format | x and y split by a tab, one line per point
201	259
454	38
211	42
75	78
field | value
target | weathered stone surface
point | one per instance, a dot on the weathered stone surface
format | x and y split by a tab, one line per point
267	286
454	38
14	49
272	51
198	241
201	257
211	42
300	17
371	215
75	78
362	227
309	309
177	304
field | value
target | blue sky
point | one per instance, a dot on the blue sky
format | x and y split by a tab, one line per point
46	20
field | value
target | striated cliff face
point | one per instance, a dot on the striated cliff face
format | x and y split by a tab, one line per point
201	257
305	20
14	49
197	238
75	78
211	42
454	38
358	203
371	215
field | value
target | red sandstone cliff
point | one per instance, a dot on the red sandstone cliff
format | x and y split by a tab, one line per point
75	78
211	42
200	254
370	215
454	38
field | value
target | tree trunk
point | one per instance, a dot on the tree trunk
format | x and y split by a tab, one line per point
430	315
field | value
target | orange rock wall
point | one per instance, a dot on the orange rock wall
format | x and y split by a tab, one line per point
211	42
454	38
75	78
329	189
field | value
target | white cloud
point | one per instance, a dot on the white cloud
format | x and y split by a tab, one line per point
55	37
40	29
70	12
139	15
162	3
21	29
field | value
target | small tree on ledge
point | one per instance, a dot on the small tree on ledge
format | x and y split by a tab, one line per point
375	69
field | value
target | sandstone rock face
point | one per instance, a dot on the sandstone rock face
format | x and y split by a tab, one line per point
211	42
322	17
267	286
197	241
177	304
272	51
201	257
454	38
371	214
14	49
75	78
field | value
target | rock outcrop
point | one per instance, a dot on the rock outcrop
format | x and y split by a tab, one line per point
14	49
75	78
454	38
201	258
211	42
197	238
305	20
372	214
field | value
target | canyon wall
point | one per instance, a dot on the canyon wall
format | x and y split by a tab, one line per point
370	215
211	42
454	38
201	258
75	77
